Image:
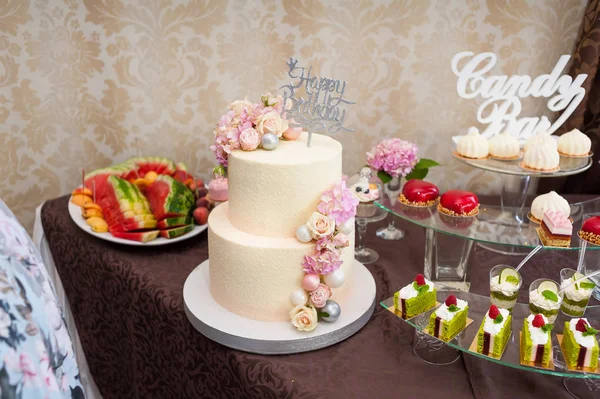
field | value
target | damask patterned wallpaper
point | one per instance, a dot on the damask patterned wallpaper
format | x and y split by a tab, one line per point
87	83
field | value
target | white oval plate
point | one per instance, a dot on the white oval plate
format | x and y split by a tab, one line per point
75	213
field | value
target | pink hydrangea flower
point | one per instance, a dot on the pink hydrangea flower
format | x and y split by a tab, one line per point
393	156
333	242
338	203
323	262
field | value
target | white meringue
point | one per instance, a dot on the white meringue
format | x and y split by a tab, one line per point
541	157
574	143
549	202
473	145
540	139
504	146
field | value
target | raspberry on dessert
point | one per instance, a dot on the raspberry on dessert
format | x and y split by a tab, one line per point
420	279
581	326
459	203
451	300
419	193
494	312
538	321
590	230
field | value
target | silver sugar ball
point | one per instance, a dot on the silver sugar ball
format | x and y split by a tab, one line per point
332	309
269	141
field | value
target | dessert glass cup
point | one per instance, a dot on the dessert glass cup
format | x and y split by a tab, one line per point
575	300
547	308
503	297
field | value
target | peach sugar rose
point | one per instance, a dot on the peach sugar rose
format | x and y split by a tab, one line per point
320	225
304	318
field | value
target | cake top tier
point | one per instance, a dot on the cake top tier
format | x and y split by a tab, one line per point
272	193
293	153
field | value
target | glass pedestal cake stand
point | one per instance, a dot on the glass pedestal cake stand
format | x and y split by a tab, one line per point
450	242
435	351
515	186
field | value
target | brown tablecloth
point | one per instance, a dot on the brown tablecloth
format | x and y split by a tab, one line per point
128	306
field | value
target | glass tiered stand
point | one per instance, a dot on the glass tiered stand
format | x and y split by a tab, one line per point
507	229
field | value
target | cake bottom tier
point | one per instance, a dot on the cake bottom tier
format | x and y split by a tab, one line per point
253	276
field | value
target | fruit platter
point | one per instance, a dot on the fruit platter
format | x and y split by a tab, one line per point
144	201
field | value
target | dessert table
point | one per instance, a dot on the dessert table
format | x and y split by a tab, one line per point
128	307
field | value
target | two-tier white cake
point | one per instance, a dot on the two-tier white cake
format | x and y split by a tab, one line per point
255	257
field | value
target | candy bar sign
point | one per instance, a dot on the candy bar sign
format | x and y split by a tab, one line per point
502	94
323	106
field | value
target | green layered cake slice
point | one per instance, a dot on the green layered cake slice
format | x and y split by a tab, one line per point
416	298
494	332
580	346
449	319
536	343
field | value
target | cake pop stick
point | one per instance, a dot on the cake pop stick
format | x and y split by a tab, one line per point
581	256
535	250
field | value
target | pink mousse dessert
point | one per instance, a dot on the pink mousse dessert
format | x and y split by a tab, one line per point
556	229
218	189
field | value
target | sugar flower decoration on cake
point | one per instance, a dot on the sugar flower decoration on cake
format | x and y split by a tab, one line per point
248	126
398	158
304	318
339	203
329	226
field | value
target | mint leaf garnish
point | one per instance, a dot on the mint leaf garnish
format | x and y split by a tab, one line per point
547	327
589	331
499	319
453	308
589	286
512	280
577	287
423	288
551	296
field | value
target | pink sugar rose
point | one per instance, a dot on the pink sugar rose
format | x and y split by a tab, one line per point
333	242
394	156
320	225
323	262
338	203
304	318
271	122
319	296
249	139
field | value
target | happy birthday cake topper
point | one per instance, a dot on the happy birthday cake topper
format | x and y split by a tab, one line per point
323	106
502	94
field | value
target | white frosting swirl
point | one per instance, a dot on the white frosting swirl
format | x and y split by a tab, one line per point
504	146
574	143
587	341
540	301
473	145
490	326
541	157
409	291
443	313
536	334
365	194
549	202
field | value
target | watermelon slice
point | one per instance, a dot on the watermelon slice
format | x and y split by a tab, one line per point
141	236
173	222
157	164
177	231
118	227
169	198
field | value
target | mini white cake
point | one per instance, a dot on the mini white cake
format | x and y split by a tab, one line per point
504	146
544	158
539	139
549	202
473	145
574	143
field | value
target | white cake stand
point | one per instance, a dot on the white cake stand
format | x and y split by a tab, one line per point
275	338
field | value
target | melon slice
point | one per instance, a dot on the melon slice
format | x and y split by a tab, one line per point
141	236
169	223
177	231
169	198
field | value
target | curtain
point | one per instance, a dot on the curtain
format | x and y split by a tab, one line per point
586	118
